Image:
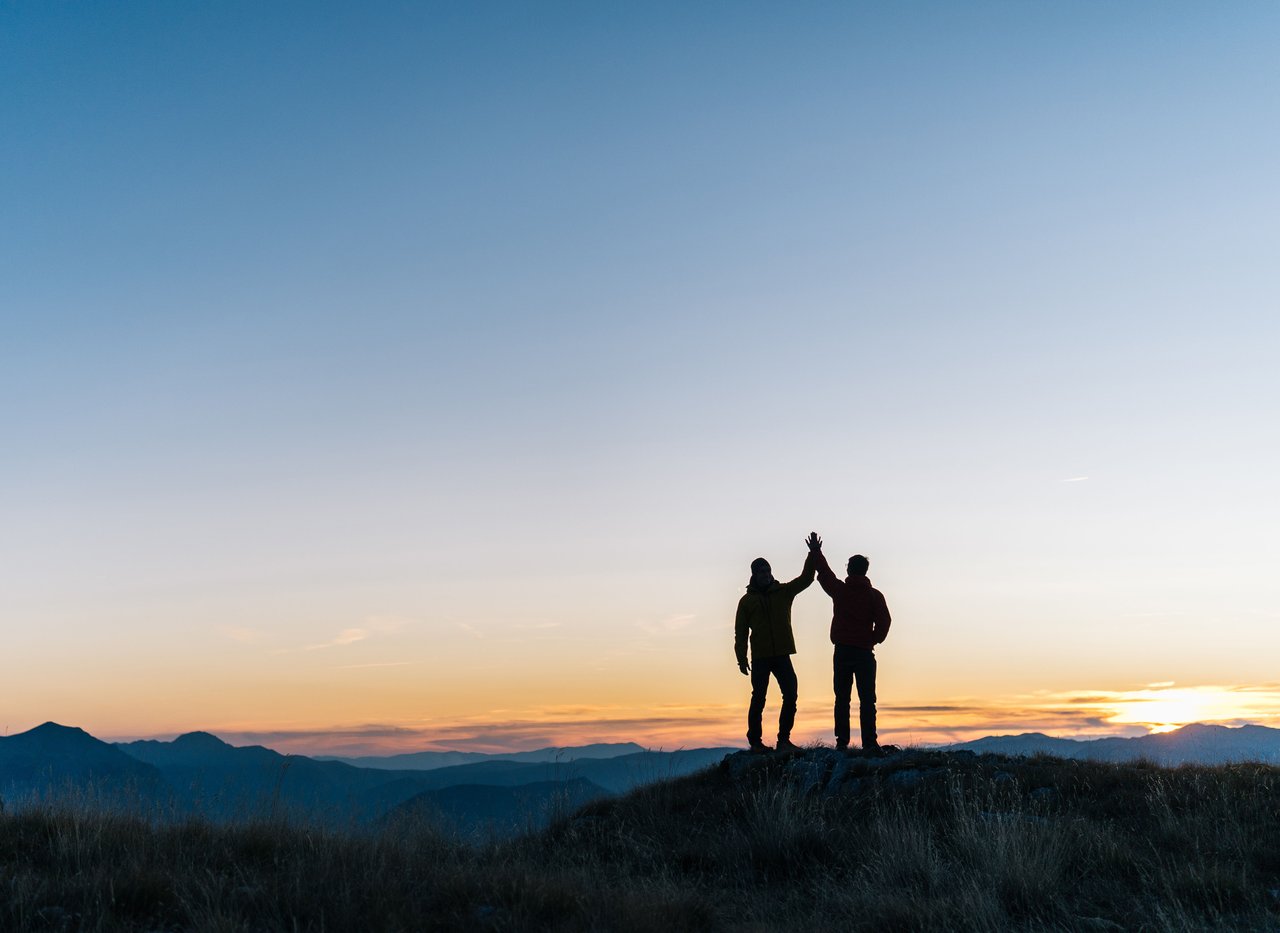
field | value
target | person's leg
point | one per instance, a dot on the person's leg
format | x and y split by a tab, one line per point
865	672
842	684
787	683
759	690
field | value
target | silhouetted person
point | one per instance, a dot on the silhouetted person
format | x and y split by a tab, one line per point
764	613
859	621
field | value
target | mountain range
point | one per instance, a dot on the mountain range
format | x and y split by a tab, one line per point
1194	744
429	761
198	774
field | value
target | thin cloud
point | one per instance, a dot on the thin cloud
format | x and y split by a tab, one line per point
348	636
352	667
369	626
1075	479
669	625
1076	714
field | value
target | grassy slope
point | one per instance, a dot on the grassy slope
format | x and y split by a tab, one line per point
967	846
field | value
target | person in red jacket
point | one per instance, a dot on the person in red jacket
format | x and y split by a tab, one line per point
859	621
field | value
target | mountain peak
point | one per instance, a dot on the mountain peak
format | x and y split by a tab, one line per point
55	733
199	740
1199	728
54	728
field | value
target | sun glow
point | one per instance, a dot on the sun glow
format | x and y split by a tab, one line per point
1164	707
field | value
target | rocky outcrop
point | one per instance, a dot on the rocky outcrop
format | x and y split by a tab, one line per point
827	772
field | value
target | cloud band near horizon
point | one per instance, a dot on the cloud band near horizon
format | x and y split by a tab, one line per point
1071	714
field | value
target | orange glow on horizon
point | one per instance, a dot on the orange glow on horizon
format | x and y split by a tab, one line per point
1077	714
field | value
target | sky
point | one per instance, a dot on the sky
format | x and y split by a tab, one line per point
387	376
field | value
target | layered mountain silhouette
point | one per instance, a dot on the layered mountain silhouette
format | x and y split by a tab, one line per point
429	761
200	774
1194	744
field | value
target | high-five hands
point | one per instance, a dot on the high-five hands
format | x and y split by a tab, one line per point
814	542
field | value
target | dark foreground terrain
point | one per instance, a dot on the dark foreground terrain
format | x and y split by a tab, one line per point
918	841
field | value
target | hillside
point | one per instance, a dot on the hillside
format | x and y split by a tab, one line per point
481	811
924	840
53	759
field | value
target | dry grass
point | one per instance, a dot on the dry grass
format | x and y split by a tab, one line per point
977	845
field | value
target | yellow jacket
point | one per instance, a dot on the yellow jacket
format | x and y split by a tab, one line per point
766	615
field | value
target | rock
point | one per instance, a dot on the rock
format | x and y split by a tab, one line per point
740	764
807	773
1003	779
1045	794
906	778
829	757
835	784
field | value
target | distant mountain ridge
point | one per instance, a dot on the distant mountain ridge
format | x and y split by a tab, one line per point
431	760
1198	743
198	774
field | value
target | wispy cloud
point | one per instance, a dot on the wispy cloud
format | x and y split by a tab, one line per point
368	627
352	667
1085	713
669	625
1075	479
348	636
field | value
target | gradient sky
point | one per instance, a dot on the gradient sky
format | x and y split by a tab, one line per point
391	375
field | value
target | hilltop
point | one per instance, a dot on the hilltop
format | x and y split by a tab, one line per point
922	840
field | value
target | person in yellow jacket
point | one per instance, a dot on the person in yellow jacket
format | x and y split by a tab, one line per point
764	618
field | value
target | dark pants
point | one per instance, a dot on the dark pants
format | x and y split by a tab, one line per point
780	667
848	664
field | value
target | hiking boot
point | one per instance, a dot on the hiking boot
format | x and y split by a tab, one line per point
786	745
842	746
873	751
760	748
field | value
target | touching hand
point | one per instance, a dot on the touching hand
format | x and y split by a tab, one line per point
814	542
744	667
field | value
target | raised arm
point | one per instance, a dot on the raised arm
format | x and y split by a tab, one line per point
828	580
801	583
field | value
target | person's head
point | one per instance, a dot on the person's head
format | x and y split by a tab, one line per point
858	566
761	572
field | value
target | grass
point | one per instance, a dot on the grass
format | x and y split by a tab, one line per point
959	843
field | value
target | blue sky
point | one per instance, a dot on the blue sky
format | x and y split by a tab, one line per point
481	318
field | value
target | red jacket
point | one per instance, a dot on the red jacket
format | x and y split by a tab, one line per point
860	616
